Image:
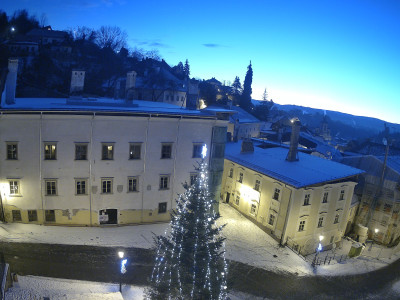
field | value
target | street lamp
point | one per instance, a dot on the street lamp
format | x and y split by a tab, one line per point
319	249
123	268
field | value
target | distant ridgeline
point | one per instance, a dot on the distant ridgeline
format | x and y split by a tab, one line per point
341	124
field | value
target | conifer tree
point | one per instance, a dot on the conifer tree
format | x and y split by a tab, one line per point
265	95
190	262
186	69
245	99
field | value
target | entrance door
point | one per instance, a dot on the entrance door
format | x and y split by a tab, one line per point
108	216
228	195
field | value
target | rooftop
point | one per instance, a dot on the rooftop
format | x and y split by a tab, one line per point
243	116
307	171
105	105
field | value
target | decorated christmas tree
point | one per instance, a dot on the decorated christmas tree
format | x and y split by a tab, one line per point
190	262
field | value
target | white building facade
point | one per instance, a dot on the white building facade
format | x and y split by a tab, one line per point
86	165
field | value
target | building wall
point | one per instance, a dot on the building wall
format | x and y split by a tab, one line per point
31	131
385	216
289	209
240	131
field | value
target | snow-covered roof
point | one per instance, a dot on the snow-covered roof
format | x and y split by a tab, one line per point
243	116
101	105
373	165
307	171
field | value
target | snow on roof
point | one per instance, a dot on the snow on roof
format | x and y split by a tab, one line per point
243	116
392	161
307	171
373	165
101	105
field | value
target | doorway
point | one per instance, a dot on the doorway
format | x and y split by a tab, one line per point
228	195
108	216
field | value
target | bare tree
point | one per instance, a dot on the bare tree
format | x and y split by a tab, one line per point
112	37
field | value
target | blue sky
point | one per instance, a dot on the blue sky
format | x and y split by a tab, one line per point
339	55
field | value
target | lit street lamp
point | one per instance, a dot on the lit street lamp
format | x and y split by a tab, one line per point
123	268
319	249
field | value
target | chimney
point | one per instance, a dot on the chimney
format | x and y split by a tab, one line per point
294	140
247	146
77	82
11	82
130	84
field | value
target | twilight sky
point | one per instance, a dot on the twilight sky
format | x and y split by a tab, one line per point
339	55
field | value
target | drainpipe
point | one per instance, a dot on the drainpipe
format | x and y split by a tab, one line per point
144	167
174	170
40	166
283	238
90	169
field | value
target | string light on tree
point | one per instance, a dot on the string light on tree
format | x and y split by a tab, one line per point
190	262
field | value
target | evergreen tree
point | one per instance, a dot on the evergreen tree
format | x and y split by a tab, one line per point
236	90
186	69
245	99
265	95
190	262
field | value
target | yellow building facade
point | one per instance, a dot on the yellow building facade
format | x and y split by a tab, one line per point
296	202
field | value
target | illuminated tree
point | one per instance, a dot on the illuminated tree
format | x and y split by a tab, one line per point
190	262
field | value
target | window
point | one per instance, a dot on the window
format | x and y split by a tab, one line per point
14	187
307	199
50	215
336	219
32	215
276	194
166	151
50	151
80	152
253	208
301	225
240	177
237	200
107	152
320	221
387	207
341	197
257	185
325	198
231	173
162	207
80	186
16	215
51	187
164	182
197	148
135	151
193	178
271	219
106	185
12	151
132	184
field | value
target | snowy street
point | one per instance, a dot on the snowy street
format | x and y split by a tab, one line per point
245	243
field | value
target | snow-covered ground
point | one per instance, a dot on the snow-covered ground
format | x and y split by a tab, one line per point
245	242
35	288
